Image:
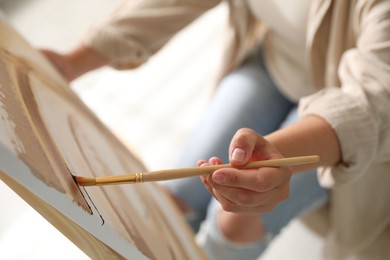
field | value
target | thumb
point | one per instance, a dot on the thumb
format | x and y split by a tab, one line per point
247	145
242	146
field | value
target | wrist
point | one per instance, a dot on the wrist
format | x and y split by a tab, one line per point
311	135
240	228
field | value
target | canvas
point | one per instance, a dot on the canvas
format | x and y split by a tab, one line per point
47	135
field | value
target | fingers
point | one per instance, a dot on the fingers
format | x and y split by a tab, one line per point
60	63
249	190
207	180
208	183
256	190
258	180
251	202
212	161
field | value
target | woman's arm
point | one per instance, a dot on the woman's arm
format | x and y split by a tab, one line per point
259	190
133	33
76	62
310	136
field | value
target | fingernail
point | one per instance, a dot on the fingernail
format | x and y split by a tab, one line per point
219	177
238	154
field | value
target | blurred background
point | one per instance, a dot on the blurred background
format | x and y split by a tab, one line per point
152	110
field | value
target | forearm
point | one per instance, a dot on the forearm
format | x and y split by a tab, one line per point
311	135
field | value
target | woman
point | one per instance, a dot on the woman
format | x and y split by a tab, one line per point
330	59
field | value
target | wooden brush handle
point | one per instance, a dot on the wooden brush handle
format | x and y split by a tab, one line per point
205	170
189	172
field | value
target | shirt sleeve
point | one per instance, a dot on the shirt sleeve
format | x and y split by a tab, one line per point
359	110
141	27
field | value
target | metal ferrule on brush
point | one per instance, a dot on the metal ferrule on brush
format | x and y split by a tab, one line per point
121	179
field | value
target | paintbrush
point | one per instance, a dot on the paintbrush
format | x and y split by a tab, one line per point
188	172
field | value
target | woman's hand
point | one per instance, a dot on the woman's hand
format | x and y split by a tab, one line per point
75	63
61	63
250	190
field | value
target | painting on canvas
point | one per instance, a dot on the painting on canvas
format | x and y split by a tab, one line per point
47	135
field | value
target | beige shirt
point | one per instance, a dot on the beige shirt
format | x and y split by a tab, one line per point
348	57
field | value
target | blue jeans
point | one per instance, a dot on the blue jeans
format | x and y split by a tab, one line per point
249	98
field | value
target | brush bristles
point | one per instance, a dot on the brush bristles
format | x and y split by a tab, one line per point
85	181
